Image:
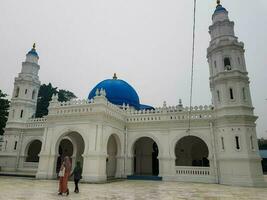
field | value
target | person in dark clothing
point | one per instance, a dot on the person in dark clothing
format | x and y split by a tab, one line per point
77	172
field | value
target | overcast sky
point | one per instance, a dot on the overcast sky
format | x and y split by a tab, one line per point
146	42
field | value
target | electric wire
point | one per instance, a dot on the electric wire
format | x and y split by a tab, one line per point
192	66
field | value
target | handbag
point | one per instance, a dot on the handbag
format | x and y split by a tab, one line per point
61	172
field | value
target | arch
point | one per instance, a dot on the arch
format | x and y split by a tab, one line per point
118	140
137	137
16	92
191	151
70	144
112	152
32	151
227	64
145	159
21	114
33	94
205	137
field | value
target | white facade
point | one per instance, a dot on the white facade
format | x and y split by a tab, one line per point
120	141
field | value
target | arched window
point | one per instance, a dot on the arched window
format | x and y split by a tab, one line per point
191	151
21	113
33	151
231	93
17	92
218	96
15	146
227	64
222	141
33	94
215	64
26	91
251	142
237	142
244	93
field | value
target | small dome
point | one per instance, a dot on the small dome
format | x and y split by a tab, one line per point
117	92
220	8
33	51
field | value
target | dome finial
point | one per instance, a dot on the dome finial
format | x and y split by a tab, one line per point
218	3
33	46
115	76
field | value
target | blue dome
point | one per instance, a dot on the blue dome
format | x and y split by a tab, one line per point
32	52
118	92
219	8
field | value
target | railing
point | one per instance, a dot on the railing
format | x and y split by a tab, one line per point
36	122
192	171
127	113
1	142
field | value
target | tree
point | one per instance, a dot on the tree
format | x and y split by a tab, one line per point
4	105
45	95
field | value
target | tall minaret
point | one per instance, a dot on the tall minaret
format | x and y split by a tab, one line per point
26	87
235	129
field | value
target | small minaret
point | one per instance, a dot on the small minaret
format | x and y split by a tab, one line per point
235	129
26	87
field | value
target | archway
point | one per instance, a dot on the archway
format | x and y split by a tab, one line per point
33	151
72	145
65	149
111	162
146	157
191	151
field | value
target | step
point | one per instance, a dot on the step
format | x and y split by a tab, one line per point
144	177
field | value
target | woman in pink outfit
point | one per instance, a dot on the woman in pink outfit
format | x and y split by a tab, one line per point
64	173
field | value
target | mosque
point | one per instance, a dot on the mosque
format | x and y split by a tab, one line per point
113	135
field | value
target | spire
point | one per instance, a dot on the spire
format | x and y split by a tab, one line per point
33	51
219	7
115	76
218	3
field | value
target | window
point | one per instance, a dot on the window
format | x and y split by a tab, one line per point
218	96
33	94
231	93
26	91
244	93
13	114
227	64
17	92
237	142
15	146
222	141
21	113
215	64
251	142
239	62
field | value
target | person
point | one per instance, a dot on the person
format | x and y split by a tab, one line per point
77	172
64	174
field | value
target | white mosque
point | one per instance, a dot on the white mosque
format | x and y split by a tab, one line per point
115	136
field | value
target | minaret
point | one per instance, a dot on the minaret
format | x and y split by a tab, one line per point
26	87
235	129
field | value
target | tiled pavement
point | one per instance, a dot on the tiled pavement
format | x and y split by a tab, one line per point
27	189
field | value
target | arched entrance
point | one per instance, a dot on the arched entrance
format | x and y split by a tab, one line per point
146	157
72	145
191	151
111	162
65	149
33	151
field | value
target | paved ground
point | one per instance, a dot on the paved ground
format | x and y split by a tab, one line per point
27	189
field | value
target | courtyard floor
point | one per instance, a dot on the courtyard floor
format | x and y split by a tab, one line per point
23	188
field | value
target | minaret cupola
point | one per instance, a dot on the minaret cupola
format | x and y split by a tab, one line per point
32	55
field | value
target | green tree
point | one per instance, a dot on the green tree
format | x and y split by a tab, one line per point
45	95
4	105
